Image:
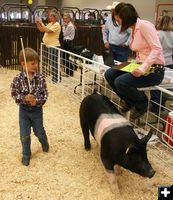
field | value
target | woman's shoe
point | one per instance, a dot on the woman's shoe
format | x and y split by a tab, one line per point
124	107
137	113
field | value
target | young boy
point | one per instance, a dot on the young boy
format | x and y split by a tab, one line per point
30	104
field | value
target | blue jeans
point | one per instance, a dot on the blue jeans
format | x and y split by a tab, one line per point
155	96
69	66
125	86
54	62
119	53
30	116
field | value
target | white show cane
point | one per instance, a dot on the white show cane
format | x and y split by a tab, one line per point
25	64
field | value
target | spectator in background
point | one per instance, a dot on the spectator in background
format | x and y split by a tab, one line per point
166	39
145	42
115	40
51	38
68	29
92	18
105	16
159	20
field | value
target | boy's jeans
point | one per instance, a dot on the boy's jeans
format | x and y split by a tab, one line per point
30	116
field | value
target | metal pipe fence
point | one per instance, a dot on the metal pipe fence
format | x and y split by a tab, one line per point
88	36
10	43
89	75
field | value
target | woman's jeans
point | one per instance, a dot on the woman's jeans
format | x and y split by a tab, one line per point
30	116
119	53
155	97
54	62
125	85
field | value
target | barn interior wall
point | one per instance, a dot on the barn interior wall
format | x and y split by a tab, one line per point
56	3
145	9
169	8
39	2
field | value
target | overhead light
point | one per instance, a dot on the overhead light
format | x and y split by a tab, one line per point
30	1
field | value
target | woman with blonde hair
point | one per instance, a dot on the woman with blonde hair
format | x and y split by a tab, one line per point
51	38
68	29
166	39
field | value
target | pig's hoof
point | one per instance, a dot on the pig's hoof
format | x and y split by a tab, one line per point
117	170
115	190
87	148
117	193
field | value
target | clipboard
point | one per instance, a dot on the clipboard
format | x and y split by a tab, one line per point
130	66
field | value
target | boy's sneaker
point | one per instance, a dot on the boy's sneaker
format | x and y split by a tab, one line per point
25	161
45	147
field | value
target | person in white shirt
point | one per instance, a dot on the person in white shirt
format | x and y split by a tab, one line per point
68	29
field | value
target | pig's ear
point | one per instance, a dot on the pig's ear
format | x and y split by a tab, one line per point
145	139
130	149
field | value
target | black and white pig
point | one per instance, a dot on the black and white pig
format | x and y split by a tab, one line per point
119	144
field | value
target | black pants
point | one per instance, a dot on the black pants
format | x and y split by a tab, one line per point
69	69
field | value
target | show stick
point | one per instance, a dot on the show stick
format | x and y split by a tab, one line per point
25	64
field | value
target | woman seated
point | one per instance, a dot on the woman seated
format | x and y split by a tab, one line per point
145	42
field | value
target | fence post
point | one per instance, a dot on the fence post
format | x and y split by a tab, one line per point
59	59
41	58
83	79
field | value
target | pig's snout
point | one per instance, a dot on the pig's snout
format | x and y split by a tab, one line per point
148	173
151	173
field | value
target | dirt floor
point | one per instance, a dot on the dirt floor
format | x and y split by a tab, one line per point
67	171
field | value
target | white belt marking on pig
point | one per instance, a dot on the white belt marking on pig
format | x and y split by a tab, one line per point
107	122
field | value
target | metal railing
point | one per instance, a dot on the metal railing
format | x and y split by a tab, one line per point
89	75
87	36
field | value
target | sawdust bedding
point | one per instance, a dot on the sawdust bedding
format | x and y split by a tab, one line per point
67	171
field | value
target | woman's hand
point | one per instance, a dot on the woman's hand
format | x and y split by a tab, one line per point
107	45
123	45
39	20
137	72
63	24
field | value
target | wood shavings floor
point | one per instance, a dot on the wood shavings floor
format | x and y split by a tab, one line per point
67	171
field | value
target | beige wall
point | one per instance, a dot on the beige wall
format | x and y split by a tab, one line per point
161	8
145	8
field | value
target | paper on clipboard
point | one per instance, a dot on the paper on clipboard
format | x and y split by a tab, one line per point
129	67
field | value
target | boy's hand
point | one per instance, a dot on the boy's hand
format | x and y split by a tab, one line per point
30	98
33	102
